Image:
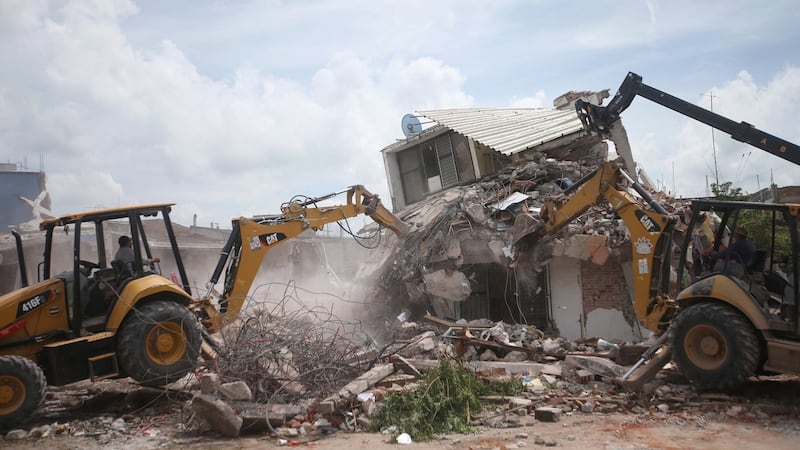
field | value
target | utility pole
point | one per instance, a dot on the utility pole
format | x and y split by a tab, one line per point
713	143
674	187
758	185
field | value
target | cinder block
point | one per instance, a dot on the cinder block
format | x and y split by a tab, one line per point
547	414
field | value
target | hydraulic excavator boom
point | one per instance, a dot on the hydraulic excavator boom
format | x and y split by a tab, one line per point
601	118
650	229
252	237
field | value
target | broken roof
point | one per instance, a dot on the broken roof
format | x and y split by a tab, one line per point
508	130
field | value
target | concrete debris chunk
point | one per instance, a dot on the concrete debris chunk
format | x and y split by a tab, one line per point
447	284
405	366
41	431
236	391
596	365
259	418
16	435
218	414
355	387
535	385
209	383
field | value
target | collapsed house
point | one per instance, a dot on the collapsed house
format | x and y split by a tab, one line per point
470	188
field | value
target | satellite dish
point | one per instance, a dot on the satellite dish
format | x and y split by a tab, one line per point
410	125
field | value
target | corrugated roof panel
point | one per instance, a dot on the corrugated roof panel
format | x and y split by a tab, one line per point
508	130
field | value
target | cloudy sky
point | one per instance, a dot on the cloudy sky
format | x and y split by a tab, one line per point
232	107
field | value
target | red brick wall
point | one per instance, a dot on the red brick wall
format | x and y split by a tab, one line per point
604	286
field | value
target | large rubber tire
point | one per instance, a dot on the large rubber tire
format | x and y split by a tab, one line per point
22	390
715	346
159	343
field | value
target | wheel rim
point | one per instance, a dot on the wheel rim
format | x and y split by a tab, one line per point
12	394
706	347
165	343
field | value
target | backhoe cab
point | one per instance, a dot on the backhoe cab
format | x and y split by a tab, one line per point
88	317
740	318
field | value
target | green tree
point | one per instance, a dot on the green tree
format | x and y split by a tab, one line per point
726	191
759	224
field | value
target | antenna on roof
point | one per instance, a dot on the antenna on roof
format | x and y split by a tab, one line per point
410	125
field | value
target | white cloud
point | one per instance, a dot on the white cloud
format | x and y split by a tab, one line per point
538	100
771	107
119	125
231	109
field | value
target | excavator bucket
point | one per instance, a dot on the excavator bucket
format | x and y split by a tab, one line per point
383	216
376	211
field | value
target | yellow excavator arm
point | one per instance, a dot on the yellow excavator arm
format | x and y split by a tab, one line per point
650	230
251	238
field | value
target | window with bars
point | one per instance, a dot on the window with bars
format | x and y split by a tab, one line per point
437	164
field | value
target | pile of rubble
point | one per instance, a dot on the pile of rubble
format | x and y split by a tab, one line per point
559	377
492	221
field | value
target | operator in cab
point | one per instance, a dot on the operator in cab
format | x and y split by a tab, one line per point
739	253
125	253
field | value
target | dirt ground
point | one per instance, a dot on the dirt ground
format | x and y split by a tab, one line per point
575	431
115	415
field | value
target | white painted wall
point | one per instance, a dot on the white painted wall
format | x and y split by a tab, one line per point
609	324
566	296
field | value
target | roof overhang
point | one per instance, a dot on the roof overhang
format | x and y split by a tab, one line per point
510	130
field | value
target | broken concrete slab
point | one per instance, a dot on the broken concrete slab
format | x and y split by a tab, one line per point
582	246
600	255
258	418
596	365
218	414
396	380
450	285
404	365
511	368
422	343
499	251
355	387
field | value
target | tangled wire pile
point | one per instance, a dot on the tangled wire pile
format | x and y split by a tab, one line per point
287	351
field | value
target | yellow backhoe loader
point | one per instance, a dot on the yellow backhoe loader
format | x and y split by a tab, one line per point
736	318
91	318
